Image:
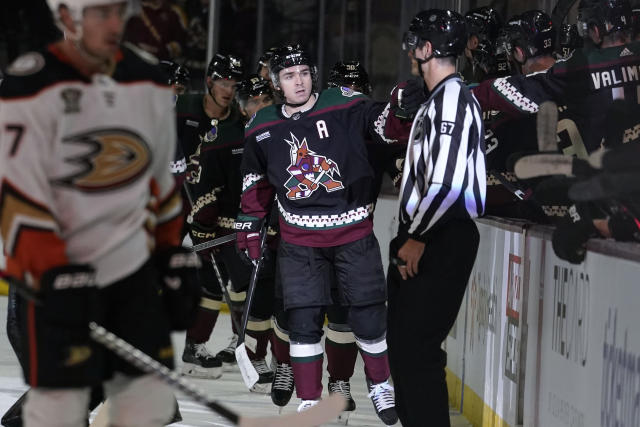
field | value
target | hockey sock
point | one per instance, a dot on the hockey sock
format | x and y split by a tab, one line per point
261	331
280	344
376	360
306	361
205	321
342	352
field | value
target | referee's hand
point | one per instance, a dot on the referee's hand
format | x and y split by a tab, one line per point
410	253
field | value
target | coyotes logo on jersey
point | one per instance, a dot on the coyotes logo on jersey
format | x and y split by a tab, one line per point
309	170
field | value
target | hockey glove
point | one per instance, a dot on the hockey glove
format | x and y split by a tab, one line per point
65	354
572	233
178	268
624	225
199	234
248	235
409	97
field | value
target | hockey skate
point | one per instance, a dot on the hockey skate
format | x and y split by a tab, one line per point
282	386
343	388
381	395
265	377
199	363
228	355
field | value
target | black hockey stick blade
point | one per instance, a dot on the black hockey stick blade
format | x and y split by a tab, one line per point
214	242
547	126
606	186
325	411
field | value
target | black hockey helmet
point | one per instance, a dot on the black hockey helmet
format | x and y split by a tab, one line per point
225	67
483	22
263	61
569	40
178	74
445	29
350	73
608	16
532	32
253	86
289	56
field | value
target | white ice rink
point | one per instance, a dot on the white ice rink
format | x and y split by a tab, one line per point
229	389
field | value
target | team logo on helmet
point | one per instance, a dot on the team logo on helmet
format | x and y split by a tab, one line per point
309	171
115	158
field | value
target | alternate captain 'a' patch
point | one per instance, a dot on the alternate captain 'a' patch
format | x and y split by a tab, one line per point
309	171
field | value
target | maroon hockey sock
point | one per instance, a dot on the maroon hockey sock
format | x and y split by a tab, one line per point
280	349
376	366
201	329
262	337
306	361
341	359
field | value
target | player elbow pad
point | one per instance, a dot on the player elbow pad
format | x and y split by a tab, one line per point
181	293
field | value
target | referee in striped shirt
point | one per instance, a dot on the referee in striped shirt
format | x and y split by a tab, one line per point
443	188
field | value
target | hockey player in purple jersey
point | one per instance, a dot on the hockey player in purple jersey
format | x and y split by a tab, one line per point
311	153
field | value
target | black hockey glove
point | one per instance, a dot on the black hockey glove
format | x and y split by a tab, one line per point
199	234
572	233
248	236
409	97
178	268
59	325
624	224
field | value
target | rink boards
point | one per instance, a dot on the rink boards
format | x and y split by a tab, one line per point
542	342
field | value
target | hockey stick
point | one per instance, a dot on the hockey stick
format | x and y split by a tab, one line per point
246	369
326	410
241	352
214	242
556	164
547	126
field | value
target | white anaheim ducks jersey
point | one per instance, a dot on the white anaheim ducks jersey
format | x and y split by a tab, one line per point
84	165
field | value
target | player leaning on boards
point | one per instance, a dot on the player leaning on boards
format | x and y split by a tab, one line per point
443	188
90	217
311	153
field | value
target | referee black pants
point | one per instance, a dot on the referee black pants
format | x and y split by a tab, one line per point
421	311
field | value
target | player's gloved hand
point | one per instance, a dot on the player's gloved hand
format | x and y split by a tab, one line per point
201	233
66	355
409	96
248	235
572	233
178	268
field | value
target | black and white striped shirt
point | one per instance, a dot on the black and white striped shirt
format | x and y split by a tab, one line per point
444	170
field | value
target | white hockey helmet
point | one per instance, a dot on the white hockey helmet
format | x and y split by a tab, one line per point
77	7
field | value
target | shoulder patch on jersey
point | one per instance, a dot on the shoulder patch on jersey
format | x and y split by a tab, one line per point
250	121
27	64
143	54
347	91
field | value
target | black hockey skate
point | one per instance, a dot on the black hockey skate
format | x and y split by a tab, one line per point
265	377
228	355
282	386
199	363
344	388
381	395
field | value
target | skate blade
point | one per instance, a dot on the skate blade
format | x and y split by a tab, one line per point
261	388
196	371
343	418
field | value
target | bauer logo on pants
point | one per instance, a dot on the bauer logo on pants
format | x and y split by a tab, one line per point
309	171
